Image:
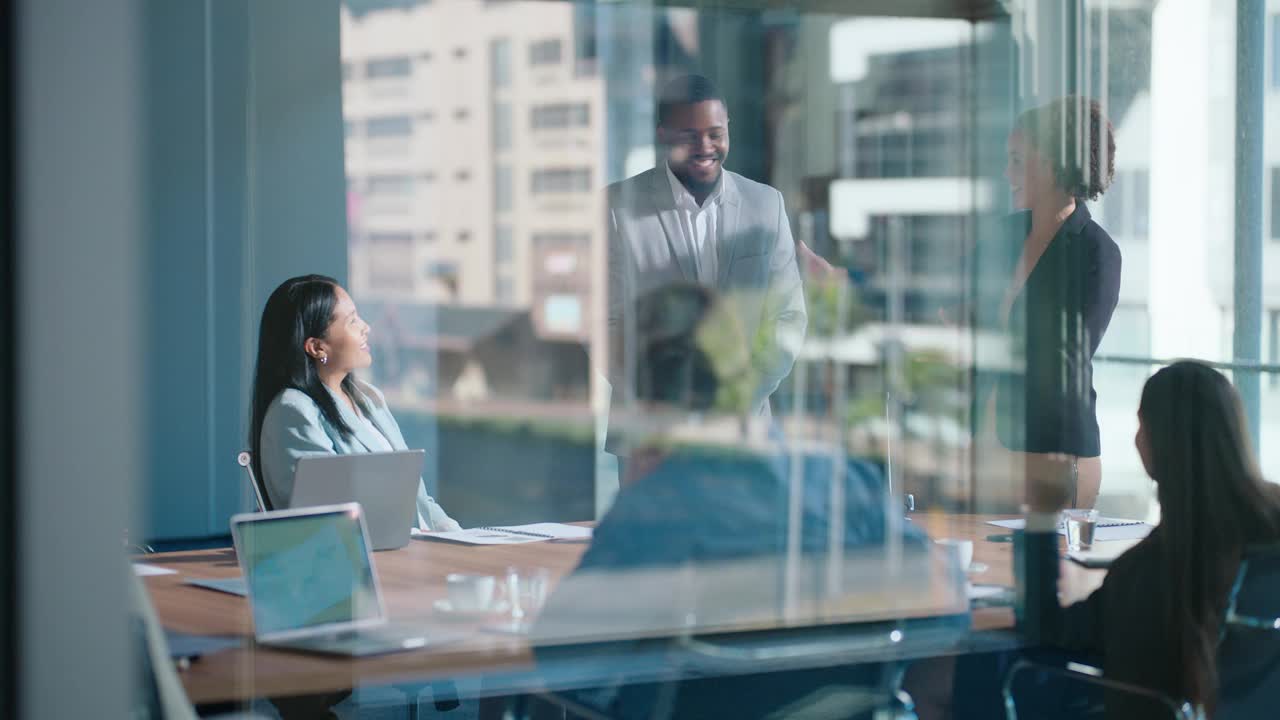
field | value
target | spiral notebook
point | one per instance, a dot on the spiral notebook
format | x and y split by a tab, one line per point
513	534
1108	528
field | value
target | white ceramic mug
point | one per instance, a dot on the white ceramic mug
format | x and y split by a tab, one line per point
961	549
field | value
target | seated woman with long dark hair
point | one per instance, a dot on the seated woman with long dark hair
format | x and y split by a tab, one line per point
1156	619
306	399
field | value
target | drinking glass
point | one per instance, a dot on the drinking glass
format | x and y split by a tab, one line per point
1080	527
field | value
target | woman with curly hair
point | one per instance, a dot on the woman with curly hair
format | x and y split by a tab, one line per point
1060	281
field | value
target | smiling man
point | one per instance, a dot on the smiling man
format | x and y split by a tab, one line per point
691	220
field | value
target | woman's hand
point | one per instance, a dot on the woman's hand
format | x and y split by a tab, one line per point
814	267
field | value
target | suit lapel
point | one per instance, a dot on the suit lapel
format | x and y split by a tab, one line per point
360	431
727	243
664	205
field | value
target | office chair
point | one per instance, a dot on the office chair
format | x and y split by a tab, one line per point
245	460
1248	651
1249	647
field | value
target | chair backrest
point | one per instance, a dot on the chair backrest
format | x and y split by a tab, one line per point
1249	654
245	460
161	694
1255	596
1060	691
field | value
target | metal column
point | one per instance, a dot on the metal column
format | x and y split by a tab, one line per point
1250	72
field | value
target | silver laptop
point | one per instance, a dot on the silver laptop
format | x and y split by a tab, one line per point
385	484
312	585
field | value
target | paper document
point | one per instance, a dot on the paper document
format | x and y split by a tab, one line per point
986	592
512	534
1109	529
145	570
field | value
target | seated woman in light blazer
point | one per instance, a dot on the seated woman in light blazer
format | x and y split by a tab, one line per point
306	401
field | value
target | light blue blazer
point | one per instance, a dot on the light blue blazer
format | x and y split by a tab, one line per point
294	427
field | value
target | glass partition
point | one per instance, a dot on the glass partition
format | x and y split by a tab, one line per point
764	296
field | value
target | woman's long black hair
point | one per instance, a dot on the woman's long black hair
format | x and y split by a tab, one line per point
1213	502
301	308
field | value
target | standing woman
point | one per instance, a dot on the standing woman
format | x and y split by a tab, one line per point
1060	282
306	401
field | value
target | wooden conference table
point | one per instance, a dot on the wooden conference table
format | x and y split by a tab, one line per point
413	578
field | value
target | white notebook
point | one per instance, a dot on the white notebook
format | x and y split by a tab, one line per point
512	534
1109	529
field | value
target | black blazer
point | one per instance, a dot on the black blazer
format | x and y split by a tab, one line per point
1117	624
1057	321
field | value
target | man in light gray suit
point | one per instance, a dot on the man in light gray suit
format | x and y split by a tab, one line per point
690	220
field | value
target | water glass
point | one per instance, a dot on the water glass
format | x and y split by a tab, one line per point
1080	528
526	592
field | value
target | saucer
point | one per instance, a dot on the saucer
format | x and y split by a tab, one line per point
444	606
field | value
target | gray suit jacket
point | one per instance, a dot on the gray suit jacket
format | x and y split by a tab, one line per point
294	427
757	274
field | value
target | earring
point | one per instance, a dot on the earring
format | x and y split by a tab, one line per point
324	359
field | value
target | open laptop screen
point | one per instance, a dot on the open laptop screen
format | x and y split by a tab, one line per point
307	570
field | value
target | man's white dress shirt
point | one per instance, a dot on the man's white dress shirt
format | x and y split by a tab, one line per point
700	226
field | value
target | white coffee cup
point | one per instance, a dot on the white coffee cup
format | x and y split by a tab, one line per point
470	592
962	550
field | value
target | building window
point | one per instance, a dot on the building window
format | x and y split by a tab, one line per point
444	274
461	114
462	175
545	52
561	180
503	189
429	236
500	62
389	185
390	67
391	239
560	115
347	71
504	290
501	126
425	56
349	128
503	245
442	268
390	261
459	53
386	126
464	236
585	53
360	8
